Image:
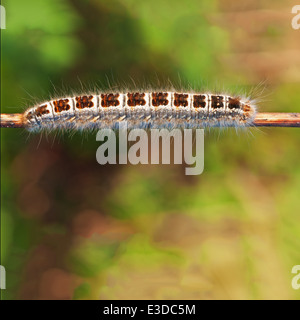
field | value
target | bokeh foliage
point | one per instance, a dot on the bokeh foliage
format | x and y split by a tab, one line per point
71	228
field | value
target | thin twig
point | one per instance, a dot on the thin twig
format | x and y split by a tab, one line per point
269	119
11	120
262	119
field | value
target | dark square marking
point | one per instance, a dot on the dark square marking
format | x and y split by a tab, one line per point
159	99
234	103
39	111
199	101
180	100
136	99
217	102
110	100
29	115
84	102
61	105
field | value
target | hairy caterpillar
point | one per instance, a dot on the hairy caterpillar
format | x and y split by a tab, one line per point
141	110
158	109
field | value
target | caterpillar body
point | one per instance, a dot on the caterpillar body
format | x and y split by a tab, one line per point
141	110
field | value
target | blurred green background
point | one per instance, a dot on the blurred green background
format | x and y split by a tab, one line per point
73	229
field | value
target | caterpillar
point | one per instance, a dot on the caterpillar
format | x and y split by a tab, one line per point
159	109
140	110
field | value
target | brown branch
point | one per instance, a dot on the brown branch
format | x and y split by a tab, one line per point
269	119
263	119
12	120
